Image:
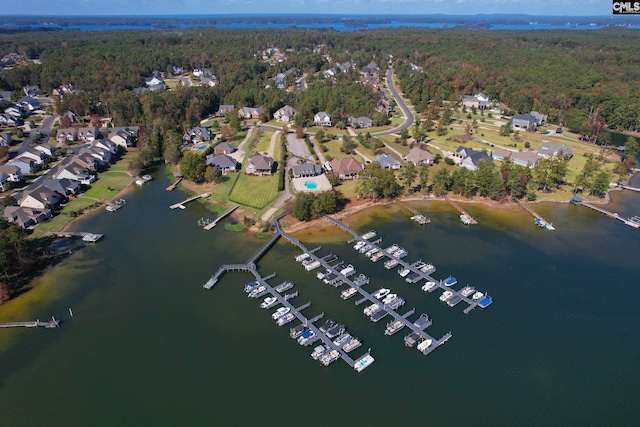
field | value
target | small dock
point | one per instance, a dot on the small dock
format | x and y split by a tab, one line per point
182	204
538	219
85	236
49	324
417	216
174	185
220	218
627	187
631	222
464	216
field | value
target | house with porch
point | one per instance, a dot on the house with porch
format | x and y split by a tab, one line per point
469	158
346	168
25	217
526	158
248	113
259	165
306	170
67	135
37	156
197	135
124	136
551	151
419	157
386	161
40	198
88	134
66	187
224	109
76	170
360	122
285	114
223	163
322	119
479	100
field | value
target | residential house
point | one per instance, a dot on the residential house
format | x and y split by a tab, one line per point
9	174
346	66
69	116
40	198
360	122
16	111
25	165
76	170
346	168
10	121
31	90
250	112
420	157
29	103
329	74
184	80
550	151
285	114
139	90
88	134
177	70
65	136
66	187
387	162
209	81
223	163
259	165
64	90
224	109
102	156
322	119
154	80
501	154
223	148
526	158
479	100
37	156
415	68
281	81
471	158
5	139
105	144
370	71
26	217
524	121
45	148
197	134
124	137
306	169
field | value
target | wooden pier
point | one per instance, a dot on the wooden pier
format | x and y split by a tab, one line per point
182	204
174	185
464	216
539	220
631	222
86	236
220	218
49	324
415	213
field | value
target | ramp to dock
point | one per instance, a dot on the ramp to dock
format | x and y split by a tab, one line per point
631	222
182	204
220	218
538	219
471	220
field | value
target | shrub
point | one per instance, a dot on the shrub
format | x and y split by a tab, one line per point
449	161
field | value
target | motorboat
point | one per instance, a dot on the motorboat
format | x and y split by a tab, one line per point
380	293
351	345
347	270
369	310
322	274
467	290
365	249
390	264
450	281
363	363
250	286
370	252
446	295
359	245
312	265
369	235
280	312
302	257
348	293
287	318
255	293
269	302
429	268
330	357
392	249
390	298
404	271
423	345
317	352
342	339
377	256
477	296
306	337
428	286
394	327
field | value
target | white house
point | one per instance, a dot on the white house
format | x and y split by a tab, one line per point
285	114
322	119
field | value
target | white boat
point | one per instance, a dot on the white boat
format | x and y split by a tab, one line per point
403	272
348	293
280	312
424	345
390	298
377	256
268	302
283	320
369	310
370	252
330	357
140	182
347	270
477	296
302	257
390	264
392	249
92	238
257	291
446	295
365	248
364	362
359	245
418	265
342	339
429	268
312	265
428	286
321	274
394	327
369	235
380	293
352	345
467	290
306	337
317	352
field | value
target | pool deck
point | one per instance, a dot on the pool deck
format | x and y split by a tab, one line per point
322	184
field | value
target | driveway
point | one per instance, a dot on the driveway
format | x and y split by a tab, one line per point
297	147
409	119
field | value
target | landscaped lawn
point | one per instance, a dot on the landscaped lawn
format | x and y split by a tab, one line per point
265	141
254	191
108	184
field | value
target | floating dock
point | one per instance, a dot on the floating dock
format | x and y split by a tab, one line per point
85	236
464	216
174	185
541	222
417	216
182	204
220	218
49	324
631	222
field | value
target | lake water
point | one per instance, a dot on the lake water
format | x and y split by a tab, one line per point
148	346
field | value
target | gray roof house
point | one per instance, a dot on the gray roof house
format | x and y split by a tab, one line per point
250	112
5	139
387	162
224	109
40	198
360	122
420	157
501	154
471	158
223	148
478	100
322	119
526	158
197	134
64	186
530	119
549	150
223	163
26	217
259	165
285	114
306	169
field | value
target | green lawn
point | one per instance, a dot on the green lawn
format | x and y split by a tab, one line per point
108	184
254	191
264	142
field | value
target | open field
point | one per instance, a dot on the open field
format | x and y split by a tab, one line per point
254	191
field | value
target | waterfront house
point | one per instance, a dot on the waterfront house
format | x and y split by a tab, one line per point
322	119
66	187
418	157
124	136
40	198
106	145
102	156
285	114
259	165
77	170
386	161
346	168
471	158
526	158
306	170
501	154
26	217
223	148
550	151
223	163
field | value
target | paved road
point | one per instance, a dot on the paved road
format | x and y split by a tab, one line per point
44	129
409	119
297	147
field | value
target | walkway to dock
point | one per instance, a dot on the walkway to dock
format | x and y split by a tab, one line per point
539	220
174	185
53	323
626	187
182	204
413	211
220	218
632	222
471	220
74	234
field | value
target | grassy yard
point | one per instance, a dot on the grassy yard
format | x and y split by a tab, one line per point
254	191
108	184
264	142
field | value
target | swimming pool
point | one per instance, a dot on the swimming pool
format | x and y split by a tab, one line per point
311	185
202	147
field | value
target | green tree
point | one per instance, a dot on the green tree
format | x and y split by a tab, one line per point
600	183
409	174
193	166
631	147
213	175
441	182
375	182
424	172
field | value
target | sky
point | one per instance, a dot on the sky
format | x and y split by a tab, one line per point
382	7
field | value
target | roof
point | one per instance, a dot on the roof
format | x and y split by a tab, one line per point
260	162
525	118
9	169
417	155
346	166
61	185
501	152
361	121
386	161
221	161
287	110
478	156
526	157
307	169
225	146
550	149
